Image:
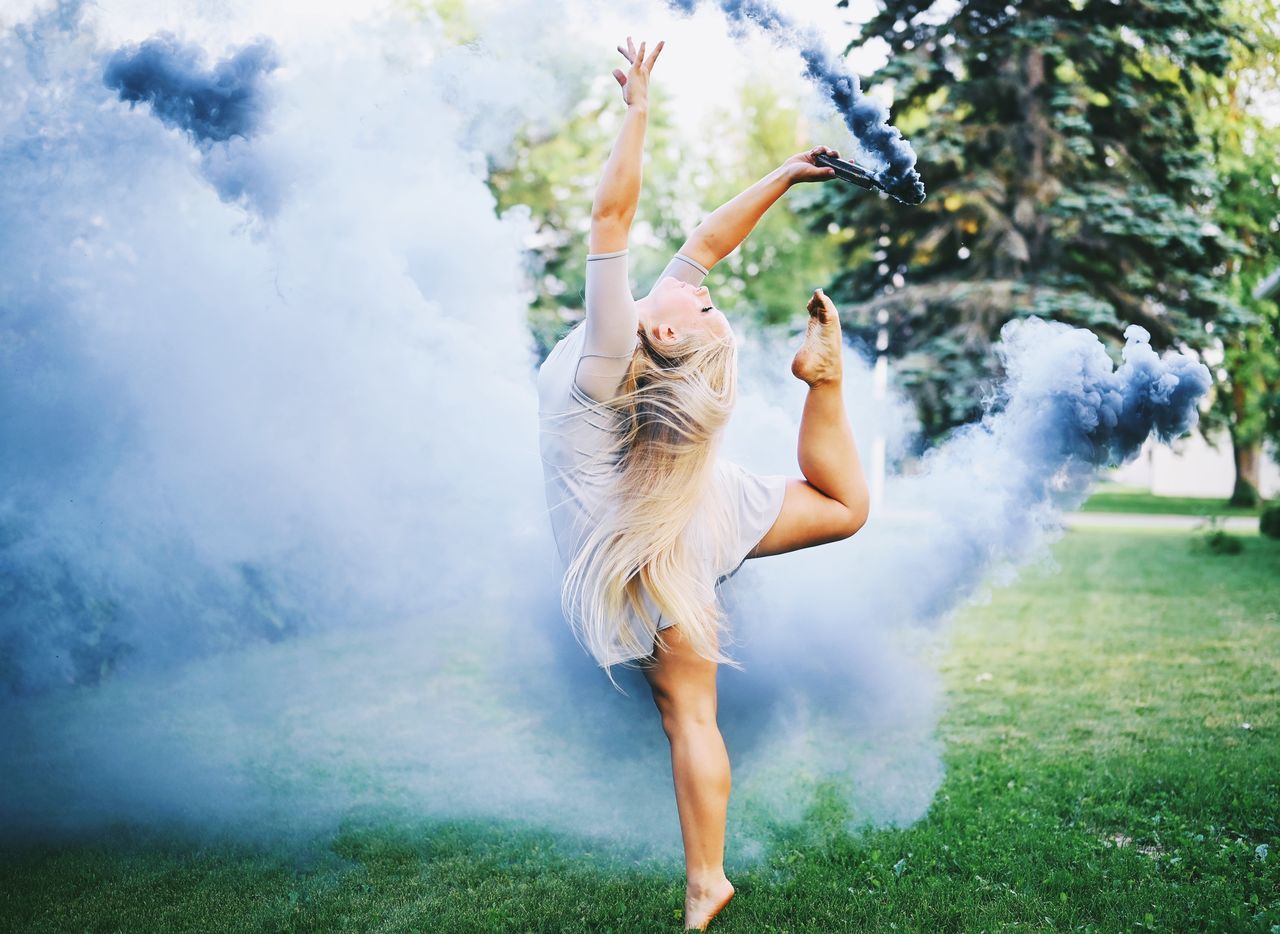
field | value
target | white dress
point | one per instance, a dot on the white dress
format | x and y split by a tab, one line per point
574	428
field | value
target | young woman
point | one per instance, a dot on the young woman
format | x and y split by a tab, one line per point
647	518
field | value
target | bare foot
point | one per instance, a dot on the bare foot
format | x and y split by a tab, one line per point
701	905
820	358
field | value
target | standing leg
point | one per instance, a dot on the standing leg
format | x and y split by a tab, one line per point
684	690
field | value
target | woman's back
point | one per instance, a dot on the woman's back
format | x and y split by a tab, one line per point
577	435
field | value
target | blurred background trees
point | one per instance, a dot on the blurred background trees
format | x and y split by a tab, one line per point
767	280
1095	162
1098	163
1067	179
1245	150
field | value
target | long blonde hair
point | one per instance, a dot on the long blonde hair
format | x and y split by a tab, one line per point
671	407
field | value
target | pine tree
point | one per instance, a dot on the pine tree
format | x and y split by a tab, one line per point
1066	179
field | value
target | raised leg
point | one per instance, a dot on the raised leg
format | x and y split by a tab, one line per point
827	453
684	690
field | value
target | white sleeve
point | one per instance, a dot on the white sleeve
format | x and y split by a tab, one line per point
757	501
684	269
610	329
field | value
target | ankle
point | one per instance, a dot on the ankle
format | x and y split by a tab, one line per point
706	883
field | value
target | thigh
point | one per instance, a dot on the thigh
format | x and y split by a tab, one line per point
676	672
809	517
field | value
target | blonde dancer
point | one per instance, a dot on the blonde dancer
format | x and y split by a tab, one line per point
647	518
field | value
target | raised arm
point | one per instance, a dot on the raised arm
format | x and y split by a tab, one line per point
609	334
618	193
728	225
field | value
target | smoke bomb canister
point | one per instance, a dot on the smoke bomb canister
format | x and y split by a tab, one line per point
857	175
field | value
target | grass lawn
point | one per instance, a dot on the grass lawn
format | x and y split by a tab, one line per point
1125	499
1113	764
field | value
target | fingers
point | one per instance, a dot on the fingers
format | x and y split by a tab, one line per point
622	79
657	50
637	57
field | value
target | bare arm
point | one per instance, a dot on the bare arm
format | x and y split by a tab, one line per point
609	334
618	193
728	225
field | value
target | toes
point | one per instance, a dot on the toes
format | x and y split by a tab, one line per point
817	307
821	307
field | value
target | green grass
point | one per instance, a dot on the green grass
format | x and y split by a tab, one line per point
1099	778
1124	499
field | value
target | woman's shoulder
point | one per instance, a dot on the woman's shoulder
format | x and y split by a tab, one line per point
573	337
754	493
559	394
563	357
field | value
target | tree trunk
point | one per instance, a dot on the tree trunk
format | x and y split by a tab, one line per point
1032	141
1248	459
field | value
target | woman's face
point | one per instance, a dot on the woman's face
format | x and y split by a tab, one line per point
675	308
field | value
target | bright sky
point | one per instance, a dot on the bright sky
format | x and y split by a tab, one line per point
700	70
702	66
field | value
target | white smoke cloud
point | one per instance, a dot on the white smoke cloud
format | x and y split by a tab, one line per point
272	497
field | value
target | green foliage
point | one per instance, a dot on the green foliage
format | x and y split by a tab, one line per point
1111	765
555	174
1067	178
1222	542
1144	502
771	276
1269	522
1248	211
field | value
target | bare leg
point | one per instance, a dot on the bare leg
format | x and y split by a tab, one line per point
684	690
827	453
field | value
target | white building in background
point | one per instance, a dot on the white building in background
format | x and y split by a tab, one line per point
1190	467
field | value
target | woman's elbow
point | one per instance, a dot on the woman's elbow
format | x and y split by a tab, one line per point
858	513
613	211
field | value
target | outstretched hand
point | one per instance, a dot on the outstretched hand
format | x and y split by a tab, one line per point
802	168
635	83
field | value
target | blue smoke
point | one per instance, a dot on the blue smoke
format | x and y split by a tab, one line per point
866	119
211	105
273	544
817	629
219	109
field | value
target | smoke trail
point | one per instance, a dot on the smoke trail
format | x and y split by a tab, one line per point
866	118
273	548
818	628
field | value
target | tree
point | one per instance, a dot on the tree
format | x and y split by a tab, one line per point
554	175
1066	179
770	277
767	280
1247	400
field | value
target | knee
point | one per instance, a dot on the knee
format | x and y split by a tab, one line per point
683	715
